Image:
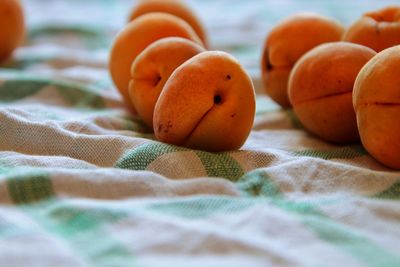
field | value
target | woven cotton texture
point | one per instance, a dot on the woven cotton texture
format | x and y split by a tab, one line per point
84	183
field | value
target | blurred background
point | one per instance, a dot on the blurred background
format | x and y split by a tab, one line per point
235	26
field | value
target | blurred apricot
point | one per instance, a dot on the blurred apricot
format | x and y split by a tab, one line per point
320	89
12	28
174	7
135	37
376	100
378	30
287	42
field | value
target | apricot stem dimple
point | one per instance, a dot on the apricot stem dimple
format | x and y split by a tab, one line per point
217	99
377	29
158	79
268	65
388	17
228	77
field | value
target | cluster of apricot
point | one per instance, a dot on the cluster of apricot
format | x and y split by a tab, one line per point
12	28
343	84
189	96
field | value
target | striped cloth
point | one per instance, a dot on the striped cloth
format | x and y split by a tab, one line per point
85	183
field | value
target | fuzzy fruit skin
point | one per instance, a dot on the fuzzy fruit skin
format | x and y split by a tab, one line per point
174	7
376	100
320	89
12	27
152	68
286	43
135	37
378	29
208	103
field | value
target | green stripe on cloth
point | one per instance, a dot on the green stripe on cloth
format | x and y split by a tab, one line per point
220	165
84	230
341	237
392	193
201	207
73	220
258	183
15	90
340	152
59	29
103	84
347	240
216	164
29	186
23	63
11	230
91	37
3	169
141	157
80	96
17	86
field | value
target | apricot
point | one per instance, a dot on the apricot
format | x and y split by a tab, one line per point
287	42
320	89
135	37
376	100
12	27
174	7
208	103
378	29
152	68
